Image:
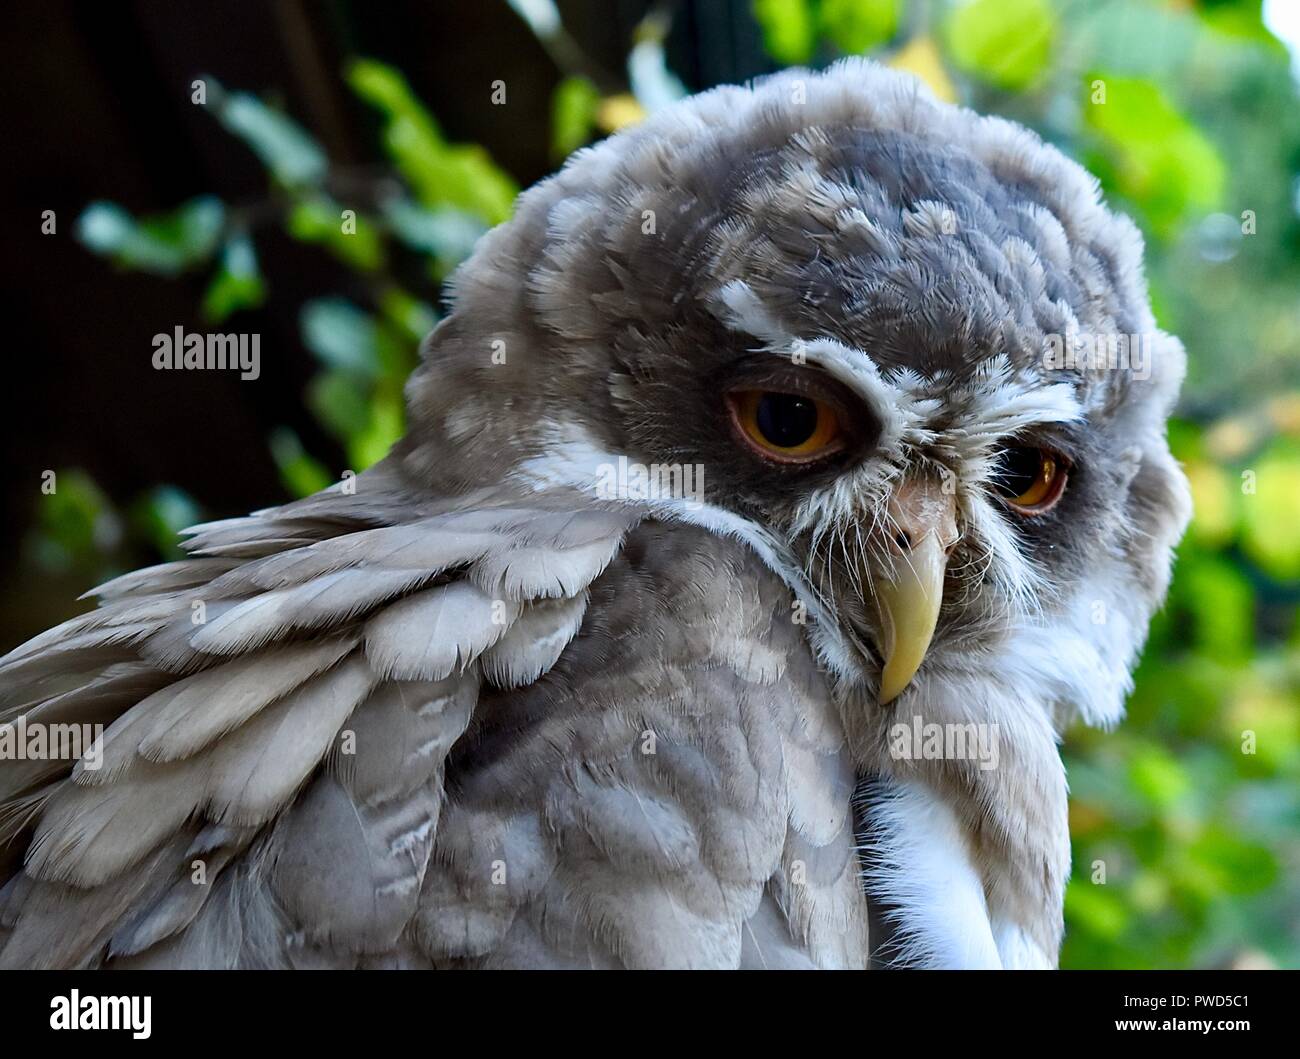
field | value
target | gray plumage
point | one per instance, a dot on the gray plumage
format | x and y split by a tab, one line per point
478	713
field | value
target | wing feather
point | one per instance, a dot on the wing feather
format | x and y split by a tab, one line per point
293	744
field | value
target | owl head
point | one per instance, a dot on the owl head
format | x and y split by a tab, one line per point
900	348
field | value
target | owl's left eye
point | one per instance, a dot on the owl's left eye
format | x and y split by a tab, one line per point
786	427
1030	479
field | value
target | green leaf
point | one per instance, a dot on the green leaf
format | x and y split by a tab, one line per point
238	283
1241	19
1271	515
857	26
1097	909
160	515
386	426
447	234
344	337
1267	709
1232	865
340	404
77	522
319	219
1007	43
302	475
1222	606
414	318
789	30
1152	153
283	146
439	173
1158	777
166	244
1215	502
573	115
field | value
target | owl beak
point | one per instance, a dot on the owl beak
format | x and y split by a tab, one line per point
921	530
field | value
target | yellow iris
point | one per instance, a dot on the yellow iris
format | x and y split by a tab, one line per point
785	425
1042	485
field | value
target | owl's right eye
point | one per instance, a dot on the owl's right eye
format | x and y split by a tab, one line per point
786	427
1030	479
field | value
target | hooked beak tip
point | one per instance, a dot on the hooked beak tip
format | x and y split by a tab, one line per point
906	572
910	596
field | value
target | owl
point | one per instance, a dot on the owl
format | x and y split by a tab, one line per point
787	474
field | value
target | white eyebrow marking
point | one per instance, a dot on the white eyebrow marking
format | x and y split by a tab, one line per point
1001	403
902	413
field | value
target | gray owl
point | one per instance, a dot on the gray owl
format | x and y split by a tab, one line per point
787	474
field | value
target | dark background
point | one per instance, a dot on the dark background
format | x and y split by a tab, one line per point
97	106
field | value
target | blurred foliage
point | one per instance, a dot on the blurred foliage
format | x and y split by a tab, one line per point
1186	821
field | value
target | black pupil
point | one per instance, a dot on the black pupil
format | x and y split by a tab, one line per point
1019	468
786	419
